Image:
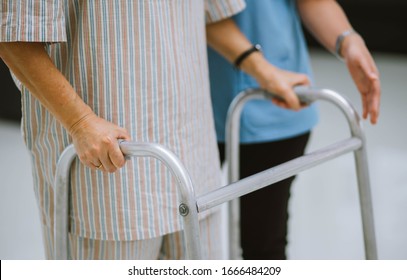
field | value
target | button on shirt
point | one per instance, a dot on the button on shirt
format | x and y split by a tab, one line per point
139	64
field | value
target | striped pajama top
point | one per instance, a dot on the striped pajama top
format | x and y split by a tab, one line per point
141	64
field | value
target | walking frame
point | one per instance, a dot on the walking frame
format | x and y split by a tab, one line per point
190	205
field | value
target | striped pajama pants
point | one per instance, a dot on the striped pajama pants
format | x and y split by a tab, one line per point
167	247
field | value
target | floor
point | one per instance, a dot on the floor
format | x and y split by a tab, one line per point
324	210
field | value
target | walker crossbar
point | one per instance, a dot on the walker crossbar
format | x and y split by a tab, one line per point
276	174
356	144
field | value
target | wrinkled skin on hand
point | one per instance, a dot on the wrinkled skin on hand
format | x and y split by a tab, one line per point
96	143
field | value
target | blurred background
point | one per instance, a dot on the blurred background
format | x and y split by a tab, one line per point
324	210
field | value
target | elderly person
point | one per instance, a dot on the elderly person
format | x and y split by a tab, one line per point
93	72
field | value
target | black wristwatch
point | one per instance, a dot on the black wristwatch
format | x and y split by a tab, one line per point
245	54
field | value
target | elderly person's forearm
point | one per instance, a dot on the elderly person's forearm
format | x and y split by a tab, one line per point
33	67
95	139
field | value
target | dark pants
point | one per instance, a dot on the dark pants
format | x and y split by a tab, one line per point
264	213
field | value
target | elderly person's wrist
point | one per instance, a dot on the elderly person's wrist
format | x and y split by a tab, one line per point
77	122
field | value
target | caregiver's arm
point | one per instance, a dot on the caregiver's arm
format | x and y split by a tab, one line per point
326	20
226	38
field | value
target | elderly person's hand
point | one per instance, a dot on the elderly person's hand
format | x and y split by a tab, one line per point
96	143
364	73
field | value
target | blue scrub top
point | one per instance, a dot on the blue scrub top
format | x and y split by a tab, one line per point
275	25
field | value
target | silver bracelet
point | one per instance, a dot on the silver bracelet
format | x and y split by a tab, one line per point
339	41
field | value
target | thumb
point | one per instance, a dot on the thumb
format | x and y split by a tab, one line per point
123	134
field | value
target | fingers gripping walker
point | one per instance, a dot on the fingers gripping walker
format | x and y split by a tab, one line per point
191	205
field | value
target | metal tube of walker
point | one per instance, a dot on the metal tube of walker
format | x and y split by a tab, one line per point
306	95
187	207
276	174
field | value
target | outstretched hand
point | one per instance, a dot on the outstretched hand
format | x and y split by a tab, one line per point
365	75
96	143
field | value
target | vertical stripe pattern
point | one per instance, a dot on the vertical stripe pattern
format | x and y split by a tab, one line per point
142	65
168	247
19	19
